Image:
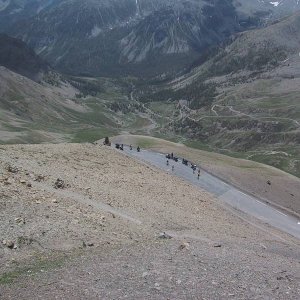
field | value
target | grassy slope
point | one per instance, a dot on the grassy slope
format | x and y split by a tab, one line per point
36	113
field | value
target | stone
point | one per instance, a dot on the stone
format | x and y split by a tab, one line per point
184	245
217	245
29	184
145	274
39	178
90	244
22	181
9	181
12	169
20	220
164	235
59	184
54	201
10	244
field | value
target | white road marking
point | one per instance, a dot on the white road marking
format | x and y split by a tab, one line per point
281	213
244	194
260	202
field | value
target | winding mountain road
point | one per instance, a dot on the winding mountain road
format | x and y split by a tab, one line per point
226	193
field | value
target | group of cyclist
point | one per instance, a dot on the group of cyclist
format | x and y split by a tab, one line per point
168	156
121	147
185	162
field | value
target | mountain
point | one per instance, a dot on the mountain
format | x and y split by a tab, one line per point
241	99
12	11
18	57
126	36
139	37
267	8
260	50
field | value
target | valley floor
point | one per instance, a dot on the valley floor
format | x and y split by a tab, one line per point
100	235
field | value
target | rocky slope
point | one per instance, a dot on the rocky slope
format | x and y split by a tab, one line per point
12	11
100	235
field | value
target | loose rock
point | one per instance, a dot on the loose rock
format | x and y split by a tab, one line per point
184	245
20	220
59	184
10	244
12	169
164	235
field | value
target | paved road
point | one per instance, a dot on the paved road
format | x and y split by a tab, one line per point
223	191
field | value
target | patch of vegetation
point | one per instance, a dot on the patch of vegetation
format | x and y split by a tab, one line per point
145	143
256	59
92	134
87	87
199	94
41	263
196	144
125	107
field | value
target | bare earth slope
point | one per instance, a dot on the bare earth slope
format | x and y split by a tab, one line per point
98	237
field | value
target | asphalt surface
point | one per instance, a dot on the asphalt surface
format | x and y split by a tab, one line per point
222	191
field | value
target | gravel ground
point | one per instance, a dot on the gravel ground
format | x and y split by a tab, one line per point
100	235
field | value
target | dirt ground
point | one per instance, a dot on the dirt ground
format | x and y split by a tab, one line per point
252	177
114	228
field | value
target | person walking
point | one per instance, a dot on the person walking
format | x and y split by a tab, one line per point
198	174
173	168
167	162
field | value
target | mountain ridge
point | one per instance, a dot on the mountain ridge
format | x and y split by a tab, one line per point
129	36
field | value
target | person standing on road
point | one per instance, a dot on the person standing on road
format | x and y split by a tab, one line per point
173	168
167	162
198	173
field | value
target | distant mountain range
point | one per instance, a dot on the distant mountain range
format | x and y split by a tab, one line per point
140	37
18	57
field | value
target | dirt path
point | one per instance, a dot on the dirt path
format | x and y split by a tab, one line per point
88	201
